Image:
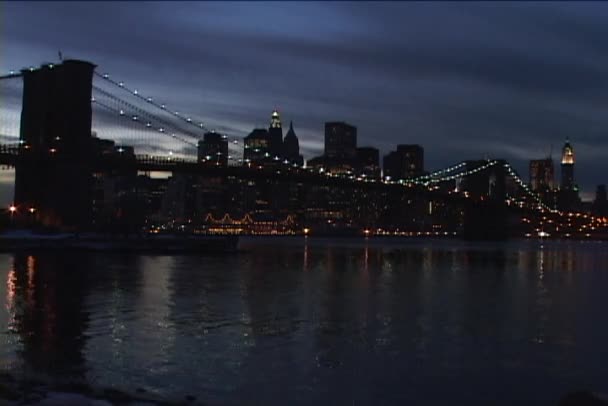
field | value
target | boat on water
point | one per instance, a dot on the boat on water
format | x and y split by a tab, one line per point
148	243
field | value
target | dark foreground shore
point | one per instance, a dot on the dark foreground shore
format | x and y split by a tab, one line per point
24	391
14	391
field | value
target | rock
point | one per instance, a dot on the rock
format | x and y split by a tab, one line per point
75	387
8	393
582	399
116	396
71	399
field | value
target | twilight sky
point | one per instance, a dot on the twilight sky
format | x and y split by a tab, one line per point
465	80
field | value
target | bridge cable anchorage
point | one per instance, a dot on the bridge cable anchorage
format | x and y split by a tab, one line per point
121	113
151	101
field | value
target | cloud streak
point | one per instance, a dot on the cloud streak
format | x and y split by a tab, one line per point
463	79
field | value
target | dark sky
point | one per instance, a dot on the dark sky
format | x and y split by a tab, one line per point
465	80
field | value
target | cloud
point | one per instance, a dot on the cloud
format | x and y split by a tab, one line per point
463	79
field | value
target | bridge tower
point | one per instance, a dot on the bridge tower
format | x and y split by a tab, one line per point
53	174
485	214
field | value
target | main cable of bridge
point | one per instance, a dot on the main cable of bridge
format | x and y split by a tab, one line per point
440	172
139	112
526	189
148	125
162	107
152	102
433	180
11	75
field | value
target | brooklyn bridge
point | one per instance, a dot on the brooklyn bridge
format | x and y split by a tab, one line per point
91	153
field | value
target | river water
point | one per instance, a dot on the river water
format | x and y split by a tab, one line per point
314	321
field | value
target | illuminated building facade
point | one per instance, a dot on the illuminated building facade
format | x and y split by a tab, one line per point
249	224
541	174
257	147
568	198
567	167
213	149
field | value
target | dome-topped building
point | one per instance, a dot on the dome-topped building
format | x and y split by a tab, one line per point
567	166
567	153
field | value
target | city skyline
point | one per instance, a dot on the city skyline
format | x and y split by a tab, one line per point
453	103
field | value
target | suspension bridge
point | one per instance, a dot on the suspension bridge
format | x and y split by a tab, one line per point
55	119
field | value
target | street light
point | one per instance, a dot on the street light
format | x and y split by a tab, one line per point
12	209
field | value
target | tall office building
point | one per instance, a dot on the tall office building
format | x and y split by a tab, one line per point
567	166
406	162
291	147
600	204
275	134
213	149
541	174
340	141
568	198
368	162
257	147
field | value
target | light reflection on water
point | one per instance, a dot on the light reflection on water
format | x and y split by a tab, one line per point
294	321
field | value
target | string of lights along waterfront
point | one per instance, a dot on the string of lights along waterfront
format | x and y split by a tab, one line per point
70	176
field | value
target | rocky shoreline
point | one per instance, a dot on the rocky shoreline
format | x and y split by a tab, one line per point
22	391
26	391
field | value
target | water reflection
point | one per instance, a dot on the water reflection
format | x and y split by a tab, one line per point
316	322
45	297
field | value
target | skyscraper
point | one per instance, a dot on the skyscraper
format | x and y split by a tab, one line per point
340	141
213	149
567	166
275	133
600	204
568	195
406	162
368	162
291	147
257	146
541	174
